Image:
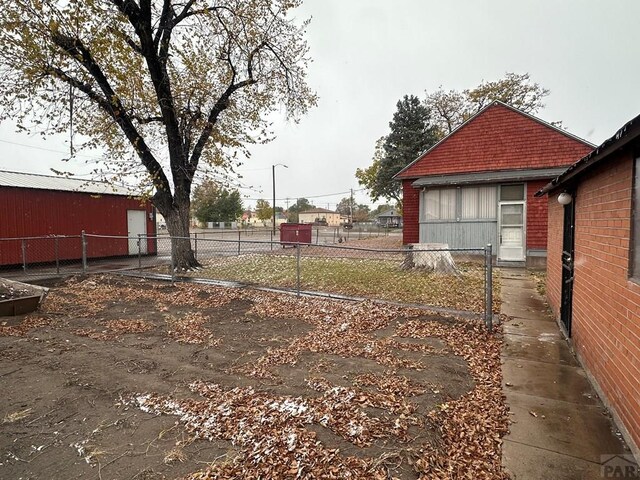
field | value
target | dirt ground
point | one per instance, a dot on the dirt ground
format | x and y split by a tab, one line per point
122	378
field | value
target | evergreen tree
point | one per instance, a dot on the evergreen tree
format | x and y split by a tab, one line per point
412	132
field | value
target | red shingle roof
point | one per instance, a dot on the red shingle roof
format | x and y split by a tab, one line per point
499	138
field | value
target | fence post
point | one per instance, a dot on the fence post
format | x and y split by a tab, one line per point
488	306
195	246
271	236
335	232
238	242
139	251
84	252
24	255
298	269
173	260
317	235
57	249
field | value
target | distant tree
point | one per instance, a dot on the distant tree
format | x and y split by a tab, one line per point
213	203
344	206
361	213
301	205
263	210
451	108
412	132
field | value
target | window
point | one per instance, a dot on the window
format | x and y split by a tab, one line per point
478	202
440	204
466	203
635	215
512	193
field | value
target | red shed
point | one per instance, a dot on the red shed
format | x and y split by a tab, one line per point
476	185
39	206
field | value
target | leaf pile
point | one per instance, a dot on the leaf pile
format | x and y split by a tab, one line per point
114	329
190	329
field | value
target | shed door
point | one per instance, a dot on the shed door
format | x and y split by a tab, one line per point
137	225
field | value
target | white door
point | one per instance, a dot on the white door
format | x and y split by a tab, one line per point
137	225
512	223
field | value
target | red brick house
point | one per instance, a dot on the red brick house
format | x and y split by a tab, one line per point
476	185
593	269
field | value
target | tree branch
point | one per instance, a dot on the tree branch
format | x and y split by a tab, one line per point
222	104
146	120
111	104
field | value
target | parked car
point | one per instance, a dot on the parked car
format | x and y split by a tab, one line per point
348	226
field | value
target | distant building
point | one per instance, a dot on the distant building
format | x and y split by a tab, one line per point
320	215
389	218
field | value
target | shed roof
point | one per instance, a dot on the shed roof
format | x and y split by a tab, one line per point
628	132
498	137
49	182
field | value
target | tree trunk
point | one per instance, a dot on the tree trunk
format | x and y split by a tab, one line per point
178	226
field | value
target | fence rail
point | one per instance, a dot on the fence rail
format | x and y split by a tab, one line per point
446	278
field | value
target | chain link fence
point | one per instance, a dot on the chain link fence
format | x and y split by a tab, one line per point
373	266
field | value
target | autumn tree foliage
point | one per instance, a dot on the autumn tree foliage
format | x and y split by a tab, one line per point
451	108
165	87
264	211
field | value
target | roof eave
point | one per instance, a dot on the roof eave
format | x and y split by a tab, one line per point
625	135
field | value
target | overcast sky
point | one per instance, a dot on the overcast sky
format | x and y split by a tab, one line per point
367	54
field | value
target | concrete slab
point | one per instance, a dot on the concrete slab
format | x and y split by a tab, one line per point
560	428
543	348
562	382
532	328
587	433
525	462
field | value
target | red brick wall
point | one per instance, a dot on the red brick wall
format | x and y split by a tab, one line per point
536	216
499	139
606	304
410	213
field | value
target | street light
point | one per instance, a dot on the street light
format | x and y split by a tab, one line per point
273	176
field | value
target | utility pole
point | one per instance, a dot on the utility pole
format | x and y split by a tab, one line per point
273	177
351	207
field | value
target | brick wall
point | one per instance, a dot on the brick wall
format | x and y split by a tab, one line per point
606	304
536	216
410	213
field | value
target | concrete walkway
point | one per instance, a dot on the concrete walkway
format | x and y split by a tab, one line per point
560	428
